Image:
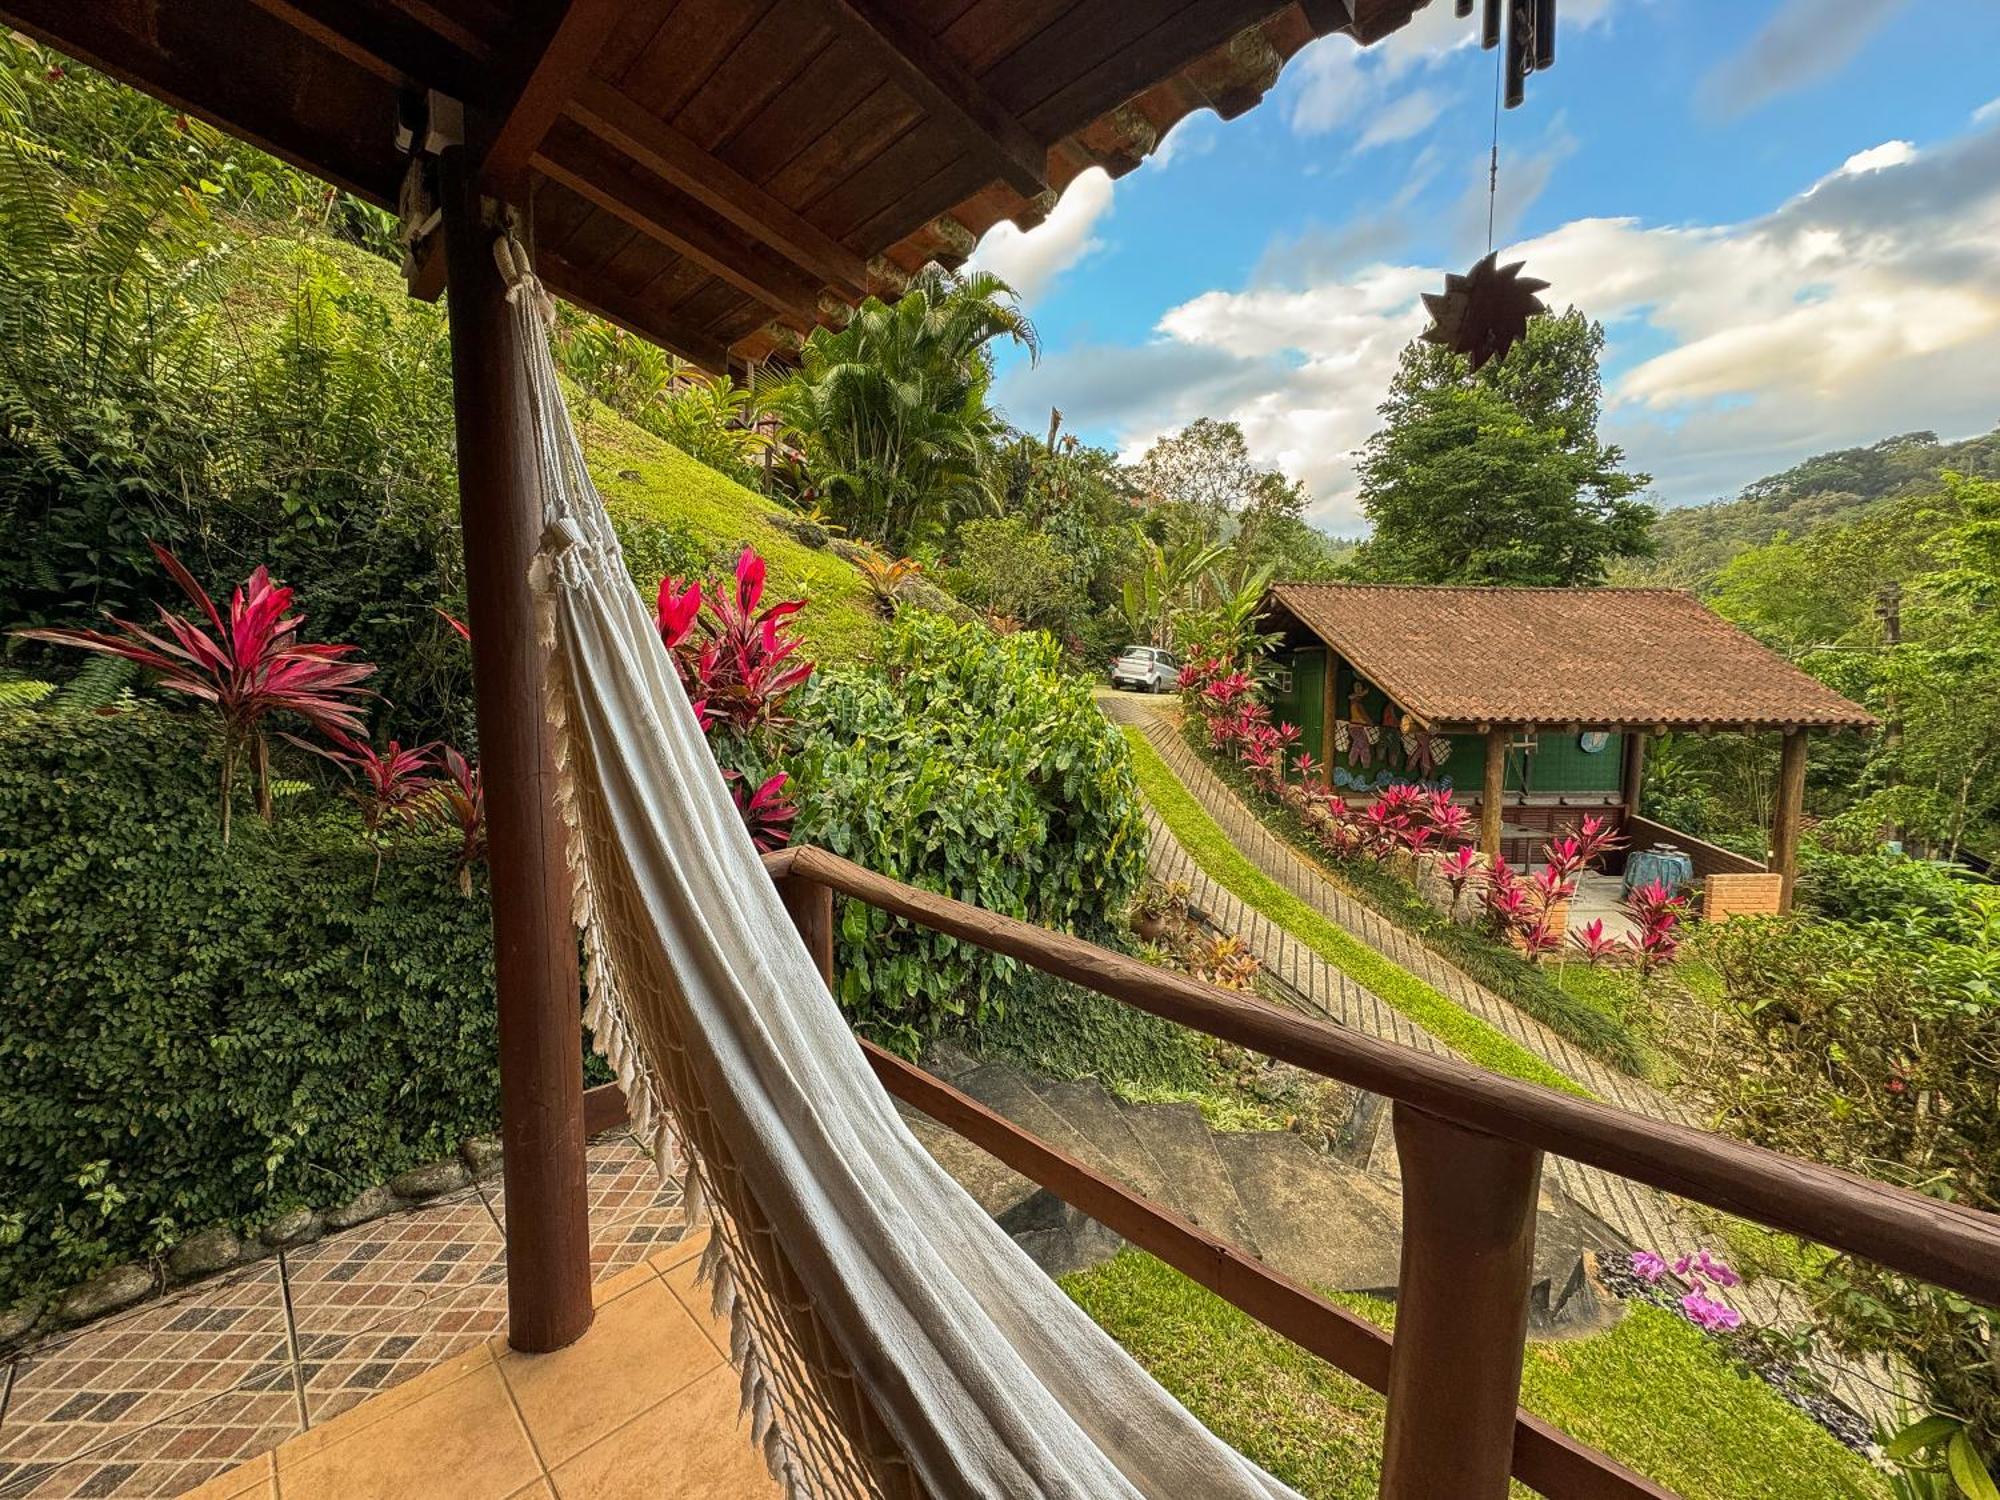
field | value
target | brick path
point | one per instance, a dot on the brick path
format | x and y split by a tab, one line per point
1643	1216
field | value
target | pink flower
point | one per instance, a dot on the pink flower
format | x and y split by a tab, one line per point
1706	1312
1648	1266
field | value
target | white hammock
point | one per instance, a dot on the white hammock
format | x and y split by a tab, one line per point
892	1340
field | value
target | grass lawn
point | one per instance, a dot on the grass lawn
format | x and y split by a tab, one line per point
840	621
1653	1393
1594	1007
1210	847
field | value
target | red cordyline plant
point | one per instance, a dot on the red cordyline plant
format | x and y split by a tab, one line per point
739	660
457	801
249	664
391	787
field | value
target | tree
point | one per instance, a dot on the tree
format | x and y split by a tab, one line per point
1500	477
1206	465
892	409
1010	569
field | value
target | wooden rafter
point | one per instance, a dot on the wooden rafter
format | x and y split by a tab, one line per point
548	82
948	93
630	316
661	214
391	45
622	123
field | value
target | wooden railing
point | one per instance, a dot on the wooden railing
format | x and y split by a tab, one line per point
1470	1144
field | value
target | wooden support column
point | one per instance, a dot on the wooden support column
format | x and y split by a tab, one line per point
1634	774
534	944
1461	1310
1493	792
811	906
1329	708
1788	813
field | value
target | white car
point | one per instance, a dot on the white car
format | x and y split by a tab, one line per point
1146	669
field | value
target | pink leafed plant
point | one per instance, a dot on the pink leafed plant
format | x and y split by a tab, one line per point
767	812
248	665
1659	913
1596	947
737	660
458	801
392	781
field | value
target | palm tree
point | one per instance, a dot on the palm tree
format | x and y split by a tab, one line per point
892	408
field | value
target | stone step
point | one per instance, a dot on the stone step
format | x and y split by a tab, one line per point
1007	1093
1198	1184
1105	1140
1312	1218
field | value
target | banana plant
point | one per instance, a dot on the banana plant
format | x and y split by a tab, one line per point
1165	586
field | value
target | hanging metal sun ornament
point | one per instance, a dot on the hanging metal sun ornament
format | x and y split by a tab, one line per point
1485	312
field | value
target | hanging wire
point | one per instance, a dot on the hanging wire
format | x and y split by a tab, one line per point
1493	160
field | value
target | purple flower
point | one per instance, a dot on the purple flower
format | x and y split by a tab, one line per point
1648	1266
1717	1271
1706	1312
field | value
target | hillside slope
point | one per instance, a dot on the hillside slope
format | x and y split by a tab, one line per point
1695	543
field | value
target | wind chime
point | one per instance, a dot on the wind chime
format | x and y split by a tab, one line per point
1485	312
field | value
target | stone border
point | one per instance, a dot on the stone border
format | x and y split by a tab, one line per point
221	1247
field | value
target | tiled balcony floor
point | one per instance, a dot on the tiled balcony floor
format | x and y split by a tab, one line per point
173	1393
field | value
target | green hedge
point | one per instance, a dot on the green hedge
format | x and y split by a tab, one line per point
191	1034
967	763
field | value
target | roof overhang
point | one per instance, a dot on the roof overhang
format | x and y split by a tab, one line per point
719	176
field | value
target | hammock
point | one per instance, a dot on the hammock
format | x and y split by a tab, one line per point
892	1341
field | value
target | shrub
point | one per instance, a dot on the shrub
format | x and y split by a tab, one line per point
966	763
1874	1046
193	1033
1879	885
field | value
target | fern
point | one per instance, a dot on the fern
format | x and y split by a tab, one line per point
23	692
100	684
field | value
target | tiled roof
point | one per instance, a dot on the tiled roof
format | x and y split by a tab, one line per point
1602	657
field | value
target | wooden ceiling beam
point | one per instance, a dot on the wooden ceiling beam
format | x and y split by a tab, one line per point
947	92
559	65
389	44
662	215
620	122
589	292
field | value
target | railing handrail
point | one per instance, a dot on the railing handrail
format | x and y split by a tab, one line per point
1943	1243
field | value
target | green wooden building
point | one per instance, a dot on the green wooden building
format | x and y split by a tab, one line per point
1534	706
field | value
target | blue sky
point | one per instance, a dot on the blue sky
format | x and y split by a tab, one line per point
1785	212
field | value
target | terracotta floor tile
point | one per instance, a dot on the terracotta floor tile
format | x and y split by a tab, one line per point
687	1249
255	1480
611	1288
642	1348
175	1454
113	1379
692	1446
341	1373
462	1441
699	1301
363	1278
356	1418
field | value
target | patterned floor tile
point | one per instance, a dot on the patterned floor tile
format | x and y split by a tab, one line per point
342	1373
364	1278
623	1183
112	1379
167	1457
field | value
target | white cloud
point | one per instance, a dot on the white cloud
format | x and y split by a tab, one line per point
1990	110
1868	303
1804	42
1029	260
1875	158
1410	113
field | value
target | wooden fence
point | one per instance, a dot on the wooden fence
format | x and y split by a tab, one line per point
1470	1144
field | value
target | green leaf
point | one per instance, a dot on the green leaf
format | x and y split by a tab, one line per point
1968	1470
1919	1435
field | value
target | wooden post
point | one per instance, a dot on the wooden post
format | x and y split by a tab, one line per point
1461	1310
1634	770
1788	813
1493	792
1329	706
811	906
534	944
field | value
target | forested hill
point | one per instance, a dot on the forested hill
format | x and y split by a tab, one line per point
1695	542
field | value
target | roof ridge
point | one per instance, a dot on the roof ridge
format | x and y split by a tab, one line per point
1481	588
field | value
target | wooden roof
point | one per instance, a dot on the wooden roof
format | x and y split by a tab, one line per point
718	175
1601	658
